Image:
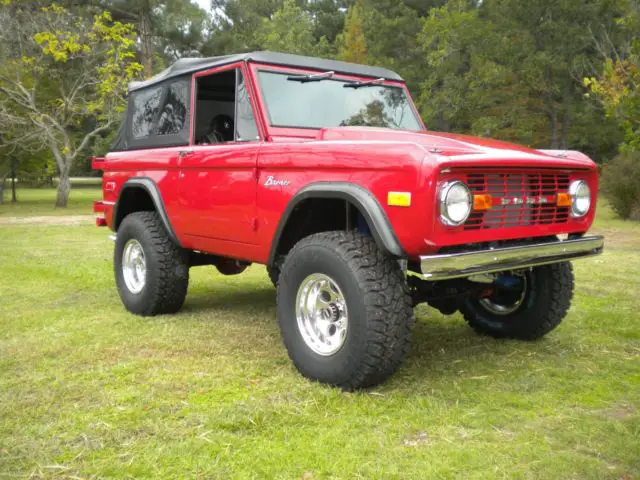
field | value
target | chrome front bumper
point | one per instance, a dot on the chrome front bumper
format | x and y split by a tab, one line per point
455	265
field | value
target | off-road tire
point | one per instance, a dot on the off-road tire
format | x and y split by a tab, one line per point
544	307
274	274
380	314
167	277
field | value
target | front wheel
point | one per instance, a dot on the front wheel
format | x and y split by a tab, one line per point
524	305
344	310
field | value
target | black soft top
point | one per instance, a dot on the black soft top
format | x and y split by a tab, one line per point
190	65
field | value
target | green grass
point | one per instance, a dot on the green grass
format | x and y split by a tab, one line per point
41	201
87	390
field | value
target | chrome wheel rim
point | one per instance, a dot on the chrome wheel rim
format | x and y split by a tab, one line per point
134	266
500	307
321	311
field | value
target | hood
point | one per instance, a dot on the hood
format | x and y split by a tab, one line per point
456	148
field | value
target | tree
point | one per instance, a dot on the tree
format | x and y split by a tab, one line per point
21	163
512	70
560	52
6	162
618	84
167	29
63	80
236	24
353	44
290	30
328	18
391	28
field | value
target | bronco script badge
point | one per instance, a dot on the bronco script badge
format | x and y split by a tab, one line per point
274	182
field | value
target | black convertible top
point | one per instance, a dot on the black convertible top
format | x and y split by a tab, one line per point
190	65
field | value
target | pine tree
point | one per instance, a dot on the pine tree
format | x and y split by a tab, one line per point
353	44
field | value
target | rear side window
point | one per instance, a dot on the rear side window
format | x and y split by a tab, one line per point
158	116
145	107
174	111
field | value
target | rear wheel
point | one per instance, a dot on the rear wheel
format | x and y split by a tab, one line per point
152	273
527	305
344	310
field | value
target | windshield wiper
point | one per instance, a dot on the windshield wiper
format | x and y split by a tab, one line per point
368	83
316	77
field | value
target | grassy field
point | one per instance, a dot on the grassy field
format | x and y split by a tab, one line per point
41	201
87	390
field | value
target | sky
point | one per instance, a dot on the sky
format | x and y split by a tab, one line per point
204	4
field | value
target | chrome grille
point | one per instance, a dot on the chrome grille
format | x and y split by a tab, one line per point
519	199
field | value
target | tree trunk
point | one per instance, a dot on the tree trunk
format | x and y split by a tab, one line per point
552	113
2	183
566	115
64	187
553	125
14	199
146	38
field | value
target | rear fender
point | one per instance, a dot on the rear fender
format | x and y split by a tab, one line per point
149	186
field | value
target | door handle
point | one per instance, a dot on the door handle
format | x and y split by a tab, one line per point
185	153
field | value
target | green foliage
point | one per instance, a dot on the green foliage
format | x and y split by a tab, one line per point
114	41
618	85
63	78
89	64
509	69
328	18
391	29
290	30
167	29
353	45
236	24
621	184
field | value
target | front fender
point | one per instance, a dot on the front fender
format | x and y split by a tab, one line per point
359	197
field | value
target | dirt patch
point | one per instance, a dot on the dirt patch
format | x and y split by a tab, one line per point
66	220
416	440
621	412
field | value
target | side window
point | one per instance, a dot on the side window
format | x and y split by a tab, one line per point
223	109
145	108
246	128
215	108
174	111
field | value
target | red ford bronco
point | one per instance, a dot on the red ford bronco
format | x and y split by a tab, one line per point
324	172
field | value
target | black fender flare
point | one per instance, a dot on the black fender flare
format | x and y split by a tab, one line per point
147	184
362	199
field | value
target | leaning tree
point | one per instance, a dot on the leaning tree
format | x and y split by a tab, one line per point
63	79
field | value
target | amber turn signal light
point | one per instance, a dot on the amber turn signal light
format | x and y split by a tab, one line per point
482	202
564	200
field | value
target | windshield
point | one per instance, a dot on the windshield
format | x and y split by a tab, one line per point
326	103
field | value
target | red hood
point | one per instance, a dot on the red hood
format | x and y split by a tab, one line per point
451	147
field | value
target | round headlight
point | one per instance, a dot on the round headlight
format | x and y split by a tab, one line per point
581	198
455	203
